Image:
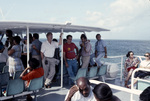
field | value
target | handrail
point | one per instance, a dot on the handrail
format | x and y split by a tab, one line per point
132	78
122	56
131	91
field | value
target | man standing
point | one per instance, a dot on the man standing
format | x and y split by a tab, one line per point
36	47
85	51
70	57
47	54
81	92
100	51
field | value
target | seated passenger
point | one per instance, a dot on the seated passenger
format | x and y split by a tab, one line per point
131	63
145	95
81	92
35	72
144	64
103	92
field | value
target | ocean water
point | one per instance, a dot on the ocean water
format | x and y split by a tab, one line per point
120	47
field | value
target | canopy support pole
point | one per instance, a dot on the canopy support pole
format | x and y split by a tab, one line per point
28	46
62	60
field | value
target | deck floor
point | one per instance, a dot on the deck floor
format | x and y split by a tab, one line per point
55	93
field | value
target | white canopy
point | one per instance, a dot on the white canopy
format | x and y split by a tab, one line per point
19	27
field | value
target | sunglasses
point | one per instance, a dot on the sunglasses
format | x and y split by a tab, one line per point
146	55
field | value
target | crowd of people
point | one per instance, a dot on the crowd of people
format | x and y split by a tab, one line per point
44	56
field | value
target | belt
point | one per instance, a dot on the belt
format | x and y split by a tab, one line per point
71	59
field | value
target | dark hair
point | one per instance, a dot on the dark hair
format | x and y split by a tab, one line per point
64	40
17	39
128	54
69	36
9	32
145	95
1	45
97	35
36	35
83	36
103	92
49	33
55	40
30	38
33	63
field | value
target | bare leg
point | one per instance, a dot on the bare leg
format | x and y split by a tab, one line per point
128	77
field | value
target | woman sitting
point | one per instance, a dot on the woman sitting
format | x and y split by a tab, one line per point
131	63
35	72
144	64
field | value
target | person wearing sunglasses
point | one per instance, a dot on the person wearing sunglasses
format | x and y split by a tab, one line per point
144	64
131	63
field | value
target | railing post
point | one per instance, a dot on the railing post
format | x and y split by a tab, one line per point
121	69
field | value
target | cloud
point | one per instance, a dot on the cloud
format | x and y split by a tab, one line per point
121	13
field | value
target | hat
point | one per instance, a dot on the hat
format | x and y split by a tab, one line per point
25	38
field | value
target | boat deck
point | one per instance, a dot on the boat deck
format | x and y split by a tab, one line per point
55	93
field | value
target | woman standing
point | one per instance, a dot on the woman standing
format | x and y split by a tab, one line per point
131	63
15	63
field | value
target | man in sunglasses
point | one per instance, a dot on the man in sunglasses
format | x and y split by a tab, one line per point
81	92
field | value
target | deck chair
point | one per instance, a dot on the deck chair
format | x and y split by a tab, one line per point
2	64
92	74
17	74
15	87
102	71
82	72
5	69
35	84
4	78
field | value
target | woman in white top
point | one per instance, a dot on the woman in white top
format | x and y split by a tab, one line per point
144	64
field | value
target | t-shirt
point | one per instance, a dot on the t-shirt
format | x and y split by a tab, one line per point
17	53
99	46
79	97
37	44
145	63
69	50
36	73
48	49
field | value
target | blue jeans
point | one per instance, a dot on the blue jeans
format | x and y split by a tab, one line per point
72	69
97	59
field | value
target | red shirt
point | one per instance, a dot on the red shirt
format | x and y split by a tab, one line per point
36	73
69	50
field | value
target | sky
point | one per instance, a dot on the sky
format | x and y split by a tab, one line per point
126	19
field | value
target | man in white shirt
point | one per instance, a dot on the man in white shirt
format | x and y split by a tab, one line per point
47	54
81	92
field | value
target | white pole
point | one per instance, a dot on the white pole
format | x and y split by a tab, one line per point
121	69
27	46
62	60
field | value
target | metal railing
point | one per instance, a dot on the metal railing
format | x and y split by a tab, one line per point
132	78
121	62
